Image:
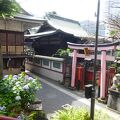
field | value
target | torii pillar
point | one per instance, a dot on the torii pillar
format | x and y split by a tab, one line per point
74	61
103	74
103	57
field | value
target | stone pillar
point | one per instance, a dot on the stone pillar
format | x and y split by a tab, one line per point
74	61
103	75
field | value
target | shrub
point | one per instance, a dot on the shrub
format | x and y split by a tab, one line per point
17	92
73	113
37	115
63	52
100	115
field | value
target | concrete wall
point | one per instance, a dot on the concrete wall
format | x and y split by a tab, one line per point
57	76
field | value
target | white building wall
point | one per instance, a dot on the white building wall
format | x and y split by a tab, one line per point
11	25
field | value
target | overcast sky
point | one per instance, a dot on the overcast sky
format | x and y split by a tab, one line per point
74	9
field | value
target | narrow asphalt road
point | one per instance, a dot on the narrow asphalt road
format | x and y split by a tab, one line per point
53	98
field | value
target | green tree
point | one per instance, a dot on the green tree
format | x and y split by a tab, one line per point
8	8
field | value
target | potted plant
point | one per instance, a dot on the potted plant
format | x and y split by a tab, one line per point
16	93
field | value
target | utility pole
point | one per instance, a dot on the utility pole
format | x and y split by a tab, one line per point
95	59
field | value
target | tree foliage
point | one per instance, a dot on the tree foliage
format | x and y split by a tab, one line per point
113	18
8	8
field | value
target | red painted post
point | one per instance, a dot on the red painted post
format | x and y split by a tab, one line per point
80	77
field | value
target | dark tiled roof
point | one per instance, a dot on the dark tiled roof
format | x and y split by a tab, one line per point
28	18
49	16
23	15
67	25
36	35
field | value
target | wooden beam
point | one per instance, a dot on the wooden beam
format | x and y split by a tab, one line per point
92	48
108	57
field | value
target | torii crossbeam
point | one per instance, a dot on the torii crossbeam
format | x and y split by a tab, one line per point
103	57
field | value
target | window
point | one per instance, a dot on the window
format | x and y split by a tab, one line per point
46	62
37	60
19	39
11	39
56	64
3	38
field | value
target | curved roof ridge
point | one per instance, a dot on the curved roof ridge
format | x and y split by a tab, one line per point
49	15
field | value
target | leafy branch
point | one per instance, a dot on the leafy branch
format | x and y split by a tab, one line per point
8	8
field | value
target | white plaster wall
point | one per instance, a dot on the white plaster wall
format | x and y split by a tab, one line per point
14	25
11	25
2	24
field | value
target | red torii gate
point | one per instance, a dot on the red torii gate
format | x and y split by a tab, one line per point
103	57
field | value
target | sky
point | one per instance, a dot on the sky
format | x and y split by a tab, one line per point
79	10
